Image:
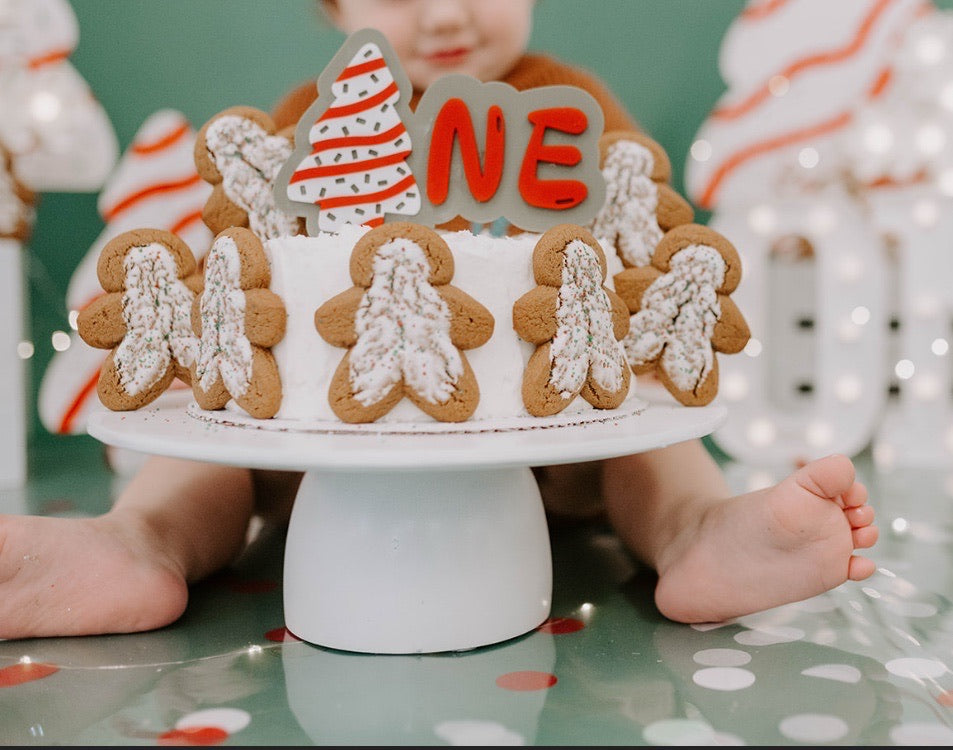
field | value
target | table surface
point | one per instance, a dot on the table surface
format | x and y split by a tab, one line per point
866	664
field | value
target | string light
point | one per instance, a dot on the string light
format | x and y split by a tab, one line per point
904	369
701	150
25	349
60	340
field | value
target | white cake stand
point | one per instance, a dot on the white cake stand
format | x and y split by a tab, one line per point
411	543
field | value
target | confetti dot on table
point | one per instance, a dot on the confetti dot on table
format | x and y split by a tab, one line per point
281	635
561	625
945	698
723	678
704	627
17	674
814	728
910	609
477	733
722	657
681	732
526	680
230	719
769	635
193	736
253	587
838	672
916	668
920	733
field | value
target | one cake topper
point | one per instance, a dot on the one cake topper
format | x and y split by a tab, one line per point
477	150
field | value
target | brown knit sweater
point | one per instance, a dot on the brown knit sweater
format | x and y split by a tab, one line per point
531	71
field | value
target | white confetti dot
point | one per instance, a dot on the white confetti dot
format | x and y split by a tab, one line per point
920	733
722	657
724	678
477	732
916	668
910	609
232	720
838	672
813	728
681	732
768	635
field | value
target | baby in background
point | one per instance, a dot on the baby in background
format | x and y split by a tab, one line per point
717	556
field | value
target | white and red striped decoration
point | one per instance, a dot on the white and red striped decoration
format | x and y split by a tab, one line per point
155	185
357	170
58	133
795	70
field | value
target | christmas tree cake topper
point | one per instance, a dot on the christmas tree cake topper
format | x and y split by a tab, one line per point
477	150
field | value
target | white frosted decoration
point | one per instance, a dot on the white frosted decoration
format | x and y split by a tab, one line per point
403	330
776	423
156	308
917	419
224	350
583	341
248	159
629	211
791	83
679	312
13	370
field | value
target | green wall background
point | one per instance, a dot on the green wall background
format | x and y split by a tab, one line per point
201	56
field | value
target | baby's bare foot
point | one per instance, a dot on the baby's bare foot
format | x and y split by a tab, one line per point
69	576
771	547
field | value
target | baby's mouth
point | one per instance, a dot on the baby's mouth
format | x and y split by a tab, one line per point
449	57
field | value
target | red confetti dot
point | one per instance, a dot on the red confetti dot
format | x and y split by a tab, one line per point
280	635
561	625
253	587
17	674
193	736
526	680
945	698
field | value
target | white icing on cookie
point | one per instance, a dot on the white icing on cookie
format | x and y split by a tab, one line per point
248	159
224	349
678	316
403	330
628	215
583	341
156	308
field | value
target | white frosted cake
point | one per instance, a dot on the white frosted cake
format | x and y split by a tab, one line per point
495	271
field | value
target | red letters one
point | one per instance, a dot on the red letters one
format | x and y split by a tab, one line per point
552	194
452	122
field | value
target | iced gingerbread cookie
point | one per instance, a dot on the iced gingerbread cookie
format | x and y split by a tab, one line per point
576	323
239	153
682	311
237	320
149	280
405	326
640	205
16	203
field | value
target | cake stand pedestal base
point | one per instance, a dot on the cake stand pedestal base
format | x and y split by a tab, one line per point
416	562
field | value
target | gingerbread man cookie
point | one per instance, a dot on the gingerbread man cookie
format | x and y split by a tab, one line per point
576	323
640	205
16	203
404	325
237	320
144	316
239	153
682	311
